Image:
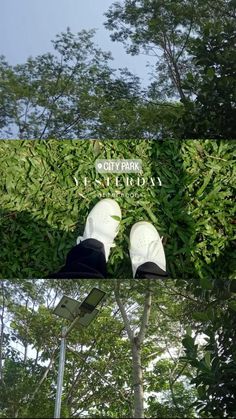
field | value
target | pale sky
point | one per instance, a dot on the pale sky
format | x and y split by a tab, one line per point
28	26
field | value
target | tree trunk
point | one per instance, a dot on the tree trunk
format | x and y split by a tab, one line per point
136	344
25	353
137	380
173	67
2	333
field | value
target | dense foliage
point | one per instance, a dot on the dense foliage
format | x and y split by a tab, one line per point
98	374
187	341
194	43
45	202
75	92
187	356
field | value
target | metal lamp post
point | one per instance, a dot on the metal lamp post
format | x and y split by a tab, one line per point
82	313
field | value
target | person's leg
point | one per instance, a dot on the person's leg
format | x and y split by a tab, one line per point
147	252
85	260
89	257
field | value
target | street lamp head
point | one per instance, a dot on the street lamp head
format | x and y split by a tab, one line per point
92	300
70	309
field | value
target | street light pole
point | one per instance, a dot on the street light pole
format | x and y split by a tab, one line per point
57	411
64	333
83	313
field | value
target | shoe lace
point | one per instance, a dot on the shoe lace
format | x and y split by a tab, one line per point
90	234
152	251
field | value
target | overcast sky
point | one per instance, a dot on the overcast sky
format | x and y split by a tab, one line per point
28	26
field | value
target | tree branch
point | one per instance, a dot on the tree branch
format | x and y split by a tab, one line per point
51	362
97	372
123	313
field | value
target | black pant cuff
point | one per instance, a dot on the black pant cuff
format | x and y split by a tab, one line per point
150	270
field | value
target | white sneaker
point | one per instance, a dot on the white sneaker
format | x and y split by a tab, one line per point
101	225
146	246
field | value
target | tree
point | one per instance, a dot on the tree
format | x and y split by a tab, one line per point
194	46
131	353
162	29
66	94
75	93
213	362
96	382
213	112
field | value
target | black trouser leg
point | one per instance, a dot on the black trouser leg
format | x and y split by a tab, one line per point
85	260
150	270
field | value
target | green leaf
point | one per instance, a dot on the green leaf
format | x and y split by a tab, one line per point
207	359
206	283
116	217
211	73
201	316
188	342
207	179
189	331
232	305
96	148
